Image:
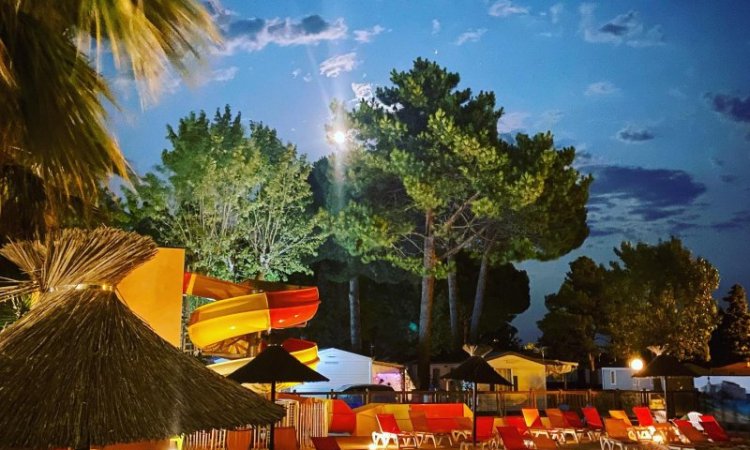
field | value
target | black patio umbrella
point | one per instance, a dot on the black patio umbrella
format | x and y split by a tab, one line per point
274	364
665	366
476	370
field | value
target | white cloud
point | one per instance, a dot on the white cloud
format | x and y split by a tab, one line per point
255	34
363	91
555	11
549	118
296	72
224	74
601	88
625	28
335	65
505	8
512	122
470	36
307	78
366	92
367	35
435	26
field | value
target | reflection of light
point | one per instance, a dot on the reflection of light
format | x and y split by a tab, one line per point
371	447
658	438
636	364
339	137
281	320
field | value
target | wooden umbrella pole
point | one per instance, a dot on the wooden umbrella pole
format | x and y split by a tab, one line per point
273	400
474	416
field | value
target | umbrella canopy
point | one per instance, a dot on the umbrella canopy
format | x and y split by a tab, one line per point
274	364
477	370
81	369
665	366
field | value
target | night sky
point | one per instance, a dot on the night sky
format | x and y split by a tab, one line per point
655	97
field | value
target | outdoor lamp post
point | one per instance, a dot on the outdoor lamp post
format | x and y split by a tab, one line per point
636	364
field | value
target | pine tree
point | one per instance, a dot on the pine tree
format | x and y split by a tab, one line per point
731	341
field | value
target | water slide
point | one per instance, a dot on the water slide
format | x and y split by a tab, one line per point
228	326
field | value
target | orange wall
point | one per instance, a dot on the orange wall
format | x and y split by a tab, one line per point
154	292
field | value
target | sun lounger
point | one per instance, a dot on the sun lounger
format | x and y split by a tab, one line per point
424	432
643	433
536	427
562	427
593	419
512	439
462	429
575	421
485	434
390	431
618	435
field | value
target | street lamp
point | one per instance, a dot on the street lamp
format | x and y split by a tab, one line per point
636	364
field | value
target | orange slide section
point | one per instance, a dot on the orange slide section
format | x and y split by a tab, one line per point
227	327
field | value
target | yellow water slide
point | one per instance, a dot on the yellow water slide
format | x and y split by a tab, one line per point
228	326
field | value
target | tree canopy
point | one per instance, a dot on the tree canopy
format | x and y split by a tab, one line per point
731	340
238	200
576	313
430	174
655	295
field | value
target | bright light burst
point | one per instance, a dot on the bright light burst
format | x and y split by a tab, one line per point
339	137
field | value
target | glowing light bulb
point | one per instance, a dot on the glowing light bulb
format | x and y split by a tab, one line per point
636	364
339	137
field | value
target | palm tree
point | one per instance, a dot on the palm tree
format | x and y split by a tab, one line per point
54	142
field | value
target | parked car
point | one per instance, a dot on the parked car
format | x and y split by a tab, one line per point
356	395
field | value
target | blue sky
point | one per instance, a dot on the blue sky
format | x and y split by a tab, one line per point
655	96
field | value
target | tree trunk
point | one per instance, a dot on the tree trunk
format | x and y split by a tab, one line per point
592	362
453	304
425	305
476	313
355	324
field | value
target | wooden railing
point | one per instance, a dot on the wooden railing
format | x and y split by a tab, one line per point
508	402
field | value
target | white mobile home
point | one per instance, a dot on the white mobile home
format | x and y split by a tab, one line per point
622	378
340	367
343	368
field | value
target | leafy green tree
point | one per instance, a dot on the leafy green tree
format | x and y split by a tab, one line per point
239	204
731	340
54	144
661	295
547	228
431	164
337	260
576	314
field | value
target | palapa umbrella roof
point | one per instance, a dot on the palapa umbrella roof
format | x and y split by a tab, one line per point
274	364
81	369
665	366
477	370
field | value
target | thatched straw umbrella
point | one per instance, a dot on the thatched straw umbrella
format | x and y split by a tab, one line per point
81	369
